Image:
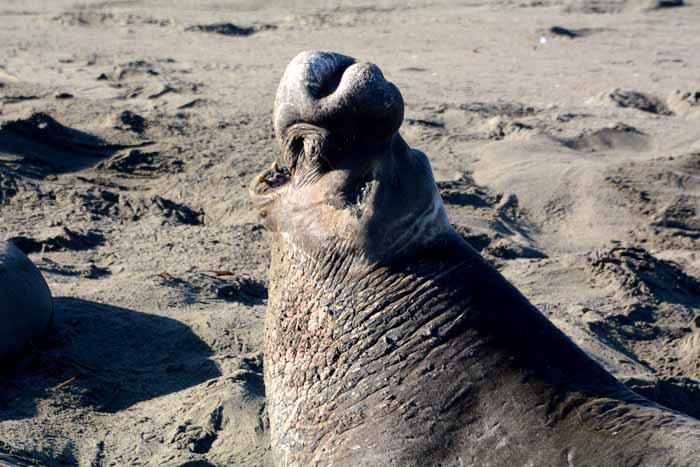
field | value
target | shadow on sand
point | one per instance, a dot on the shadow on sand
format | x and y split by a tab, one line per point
39	146
106	358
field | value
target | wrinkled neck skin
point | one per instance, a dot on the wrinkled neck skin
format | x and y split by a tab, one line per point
378	203
348	342
414	362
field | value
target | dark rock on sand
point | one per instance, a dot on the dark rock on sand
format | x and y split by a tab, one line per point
130	121
571	33
230	29
618	6
560	31
632	100
8	186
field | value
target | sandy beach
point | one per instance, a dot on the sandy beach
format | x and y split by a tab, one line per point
564	137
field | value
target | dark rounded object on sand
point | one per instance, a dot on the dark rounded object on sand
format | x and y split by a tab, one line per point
26	306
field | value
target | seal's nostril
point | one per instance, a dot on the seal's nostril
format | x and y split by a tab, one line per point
330	85
324	73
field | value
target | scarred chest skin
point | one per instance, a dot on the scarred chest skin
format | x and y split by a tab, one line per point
346	346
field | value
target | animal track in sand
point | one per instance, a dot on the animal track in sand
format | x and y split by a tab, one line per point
666	191
652	304
141	163
506	236
207	286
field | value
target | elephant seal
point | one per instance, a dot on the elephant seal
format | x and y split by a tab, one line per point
389	341
26	306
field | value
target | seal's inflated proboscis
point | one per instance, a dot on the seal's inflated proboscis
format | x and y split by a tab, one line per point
389	341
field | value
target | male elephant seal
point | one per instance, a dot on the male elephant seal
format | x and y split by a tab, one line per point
389	341
26	307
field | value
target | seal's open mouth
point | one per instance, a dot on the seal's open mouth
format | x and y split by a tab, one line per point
355	194
272	178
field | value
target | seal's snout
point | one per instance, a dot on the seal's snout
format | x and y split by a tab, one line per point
352	100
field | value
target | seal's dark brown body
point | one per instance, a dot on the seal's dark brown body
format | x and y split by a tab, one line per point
390	342
26	306
436	360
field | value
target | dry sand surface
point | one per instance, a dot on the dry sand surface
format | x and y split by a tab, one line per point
565	136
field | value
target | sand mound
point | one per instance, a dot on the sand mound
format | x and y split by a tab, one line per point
59	239
47	146
653	304
630	99
615	137
498	128
588	198
635	273
560	200
686	103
